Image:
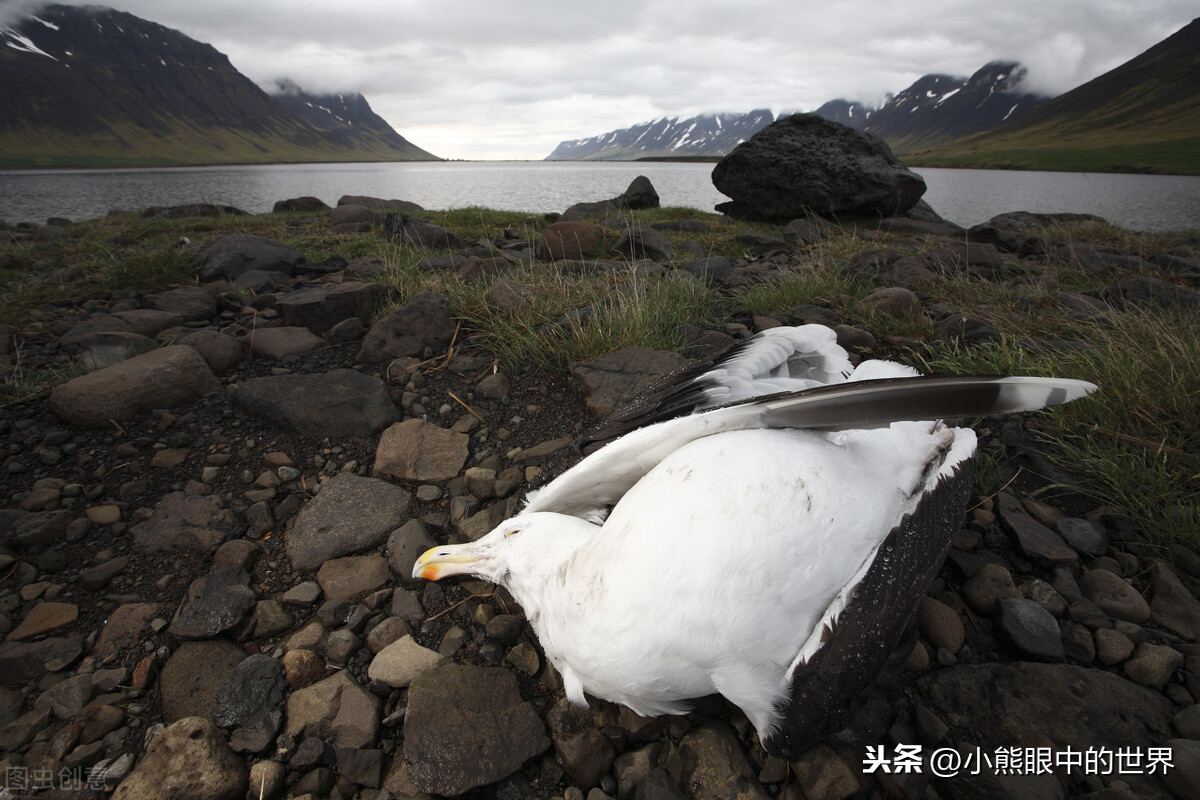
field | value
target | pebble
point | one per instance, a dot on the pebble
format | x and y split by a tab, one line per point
987	587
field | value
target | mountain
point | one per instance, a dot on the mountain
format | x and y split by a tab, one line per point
935	109
846	112
1142	116
707	135
91	86
940	108
348	118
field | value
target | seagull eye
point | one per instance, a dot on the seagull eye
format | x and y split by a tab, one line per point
510	533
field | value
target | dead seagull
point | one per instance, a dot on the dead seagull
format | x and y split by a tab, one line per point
764	530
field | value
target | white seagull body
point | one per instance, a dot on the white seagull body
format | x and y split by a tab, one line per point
752	549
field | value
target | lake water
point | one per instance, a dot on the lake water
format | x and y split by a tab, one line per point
1141	202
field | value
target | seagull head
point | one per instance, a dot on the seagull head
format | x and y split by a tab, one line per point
523	549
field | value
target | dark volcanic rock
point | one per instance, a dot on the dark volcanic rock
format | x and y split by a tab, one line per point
350	514
712	757
306	203
229	255
423	233
183	523
422	322
194	303
639	194
642	241
220	351
191	211
220	605
804	164
615	379
23	661
337	404
337	710
1151	292
1010	701
569	240
378	203
255	685
467	726
322	307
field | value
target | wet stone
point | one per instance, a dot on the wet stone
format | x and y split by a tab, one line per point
352	577
220	605
304	595
1030	629
254	685
192	676
940	624
1173	607
350	514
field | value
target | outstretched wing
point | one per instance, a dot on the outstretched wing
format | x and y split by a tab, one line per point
784	359
597	482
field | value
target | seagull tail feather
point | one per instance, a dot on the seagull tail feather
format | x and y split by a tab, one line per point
878	403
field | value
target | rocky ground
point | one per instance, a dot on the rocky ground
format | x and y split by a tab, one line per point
206	549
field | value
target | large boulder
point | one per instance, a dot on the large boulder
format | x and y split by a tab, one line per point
804	164
639	194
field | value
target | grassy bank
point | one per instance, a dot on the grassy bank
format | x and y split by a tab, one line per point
1136	445
1175	157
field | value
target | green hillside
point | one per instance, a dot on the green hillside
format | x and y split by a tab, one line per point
95	87
1143	116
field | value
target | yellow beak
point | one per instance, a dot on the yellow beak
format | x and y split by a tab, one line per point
440	562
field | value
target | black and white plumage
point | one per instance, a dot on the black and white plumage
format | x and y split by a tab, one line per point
764	530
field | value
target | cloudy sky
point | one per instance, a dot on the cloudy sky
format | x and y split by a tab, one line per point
488	79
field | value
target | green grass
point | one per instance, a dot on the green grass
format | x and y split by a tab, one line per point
1134	444
128	145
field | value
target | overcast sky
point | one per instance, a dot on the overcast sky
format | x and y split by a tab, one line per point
487	79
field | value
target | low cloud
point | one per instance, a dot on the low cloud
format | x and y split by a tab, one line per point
511	78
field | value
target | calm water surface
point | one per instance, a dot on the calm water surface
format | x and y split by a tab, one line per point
1142	202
